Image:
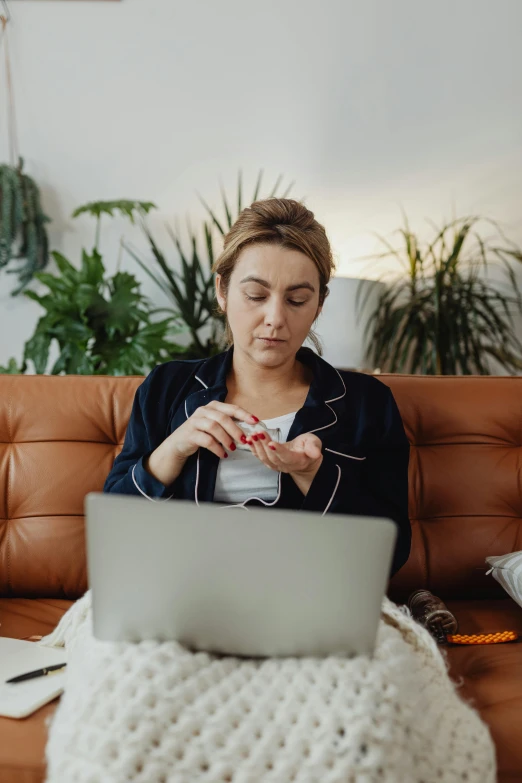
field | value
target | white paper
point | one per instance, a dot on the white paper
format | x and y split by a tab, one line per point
17	700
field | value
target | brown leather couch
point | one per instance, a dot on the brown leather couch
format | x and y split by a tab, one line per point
60	435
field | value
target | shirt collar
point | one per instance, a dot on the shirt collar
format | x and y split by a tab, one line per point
327	384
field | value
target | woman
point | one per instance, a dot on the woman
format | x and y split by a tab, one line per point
336	443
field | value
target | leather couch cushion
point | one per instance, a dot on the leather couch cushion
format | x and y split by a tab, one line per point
491	676
22	742
21	617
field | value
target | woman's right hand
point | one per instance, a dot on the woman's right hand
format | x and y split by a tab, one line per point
211	426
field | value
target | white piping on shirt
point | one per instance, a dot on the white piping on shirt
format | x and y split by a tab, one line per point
349	456
335	490
272	502
157	500
154	500
326	402
334	399
197	482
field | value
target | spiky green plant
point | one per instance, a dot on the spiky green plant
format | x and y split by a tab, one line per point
441	317
231	215
22	225
189	283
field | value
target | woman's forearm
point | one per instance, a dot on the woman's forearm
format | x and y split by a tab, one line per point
163	466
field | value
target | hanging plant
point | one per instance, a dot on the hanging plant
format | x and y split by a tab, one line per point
22	221
22	225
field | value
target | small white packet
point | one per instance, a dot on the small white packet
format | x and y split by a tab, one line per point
250	429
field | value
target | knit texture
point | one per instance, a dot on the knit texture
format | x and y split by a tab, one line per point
153	712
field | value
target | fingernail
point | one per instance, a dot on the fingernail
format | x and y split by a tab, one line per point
232	447
226	455
249	442
255	419
254	437
261	436
243	439
272	447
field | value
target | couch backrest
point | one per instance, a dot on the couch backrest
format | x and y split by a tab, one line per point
59	437
465	480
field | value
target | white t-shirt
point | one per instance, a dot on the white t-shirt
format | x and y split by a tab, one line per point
243	476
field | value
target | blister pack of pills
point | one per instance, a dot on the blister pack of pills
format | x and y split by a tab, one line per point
250	429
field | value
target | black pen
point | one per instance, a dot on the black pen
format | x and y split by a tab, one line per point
37	673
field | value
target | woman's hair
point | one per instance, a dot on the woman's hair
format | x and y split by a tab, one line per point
283	222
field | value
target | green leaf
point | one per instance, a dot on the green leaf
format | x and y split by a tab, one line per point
92	270
37	348
127	208
68	272
258	186
239	192
228	213
12	368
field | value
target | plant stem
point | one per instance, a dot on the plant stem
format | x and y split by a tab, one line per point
120	253
98	226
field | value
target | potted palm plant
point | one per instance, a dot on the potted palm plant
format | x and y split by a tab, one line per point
188	281
23	236
442	316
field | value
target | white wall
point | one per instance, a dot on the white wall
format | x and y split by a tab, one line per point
368	104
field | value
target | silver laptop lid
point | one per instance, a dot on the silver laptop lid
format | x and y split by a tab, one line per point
237	581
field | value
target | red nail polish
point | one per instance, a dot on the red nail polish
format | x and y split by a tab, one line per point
261	436
254	437
243	439
232	447
226	455
272	447
255	419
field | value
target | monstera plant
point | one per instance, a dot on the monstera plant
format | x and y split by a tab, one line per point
99	324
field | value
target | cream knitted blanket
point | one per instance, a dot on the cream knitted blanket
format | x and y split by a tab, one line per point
154	712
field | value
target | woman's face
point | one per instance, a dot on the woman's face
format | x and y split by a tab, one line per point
271	303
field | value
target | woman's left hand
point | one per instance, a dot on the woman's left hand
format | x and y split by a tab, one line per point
301	457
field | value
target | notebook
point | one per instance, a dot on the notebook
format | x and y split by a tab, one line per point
18	657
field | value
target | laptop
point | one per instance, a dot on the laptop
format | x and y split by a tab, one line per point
236	581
